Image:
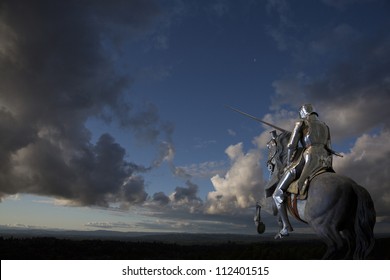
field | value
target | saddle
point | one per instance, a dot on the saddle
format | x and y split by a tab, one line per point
317	166
294	193
301	191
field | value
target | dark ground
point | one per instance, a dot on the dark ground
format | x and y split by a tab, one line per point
51	248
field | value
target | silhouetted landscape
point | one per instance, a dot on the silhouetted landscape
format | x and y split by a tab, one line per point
170	246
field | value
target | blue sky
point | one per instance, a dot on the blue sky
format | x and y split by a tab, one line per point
112	114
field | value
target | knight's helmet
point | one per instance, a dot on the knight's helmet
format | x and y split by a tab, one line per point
306	110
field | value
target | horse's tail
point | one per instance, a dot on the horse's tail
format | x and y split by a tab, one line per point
364	223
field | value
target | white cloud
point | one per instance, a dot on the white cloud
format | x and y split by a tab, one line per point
368	163
231	132
109	225
206	169
14	197
241	186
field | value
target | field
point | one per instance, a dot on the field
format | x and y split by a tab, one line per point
34	248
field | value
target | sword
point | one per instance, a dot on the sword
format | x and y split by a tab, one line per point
257	119
334	153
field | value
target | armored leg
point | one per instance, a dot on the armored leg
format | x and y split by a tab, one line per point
279	196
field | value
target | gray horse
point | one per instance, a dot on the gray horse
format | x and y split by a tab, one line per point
340	211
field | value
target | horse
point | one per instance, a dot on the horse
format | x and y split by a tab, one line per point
340	211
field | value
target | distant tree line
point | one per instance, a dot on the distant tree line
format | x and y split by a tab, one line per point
68	249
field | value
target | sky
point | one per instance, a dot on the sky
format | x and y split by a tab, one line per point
112	113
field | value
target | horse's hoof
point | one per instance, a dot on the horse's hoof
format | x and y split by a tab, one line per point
260	228
281	234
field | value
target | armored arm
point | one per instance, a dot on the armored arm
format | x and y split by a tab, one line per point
292	145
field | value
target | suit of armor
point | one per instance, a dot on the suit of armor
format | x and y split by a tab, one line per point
314	137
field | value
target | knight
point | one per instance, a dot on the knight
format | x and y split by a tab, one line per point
314	137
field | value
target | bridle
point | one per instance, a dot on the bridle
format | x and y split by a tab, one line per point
271	145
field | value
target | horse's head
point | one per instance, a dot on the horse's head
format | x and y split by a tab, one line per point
277	157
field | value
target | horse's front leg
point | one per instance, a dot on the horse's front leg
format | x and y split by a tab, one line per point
260	226
275	212
280	222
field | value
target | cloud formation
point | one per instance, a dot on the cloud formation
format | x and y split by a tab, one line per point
241	186
56	73
352	93
368	164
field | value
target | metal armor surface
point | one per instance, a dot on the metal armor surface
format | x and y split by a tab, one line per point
315	132
306	110
315	138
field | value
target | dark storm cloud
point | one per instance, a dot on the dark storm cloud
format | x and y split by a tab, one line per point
352	94
357	90
144	122
339	68
160	198
55	74
185	199
186	194
95	175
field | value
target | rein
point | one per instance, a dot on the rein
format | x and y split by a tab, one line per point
292	205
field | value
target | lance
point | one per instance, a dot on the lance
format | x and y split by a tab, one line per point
256	119
274	126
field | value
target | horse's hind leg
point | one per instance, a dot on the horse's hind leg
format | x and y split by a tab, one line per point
334	241
349	236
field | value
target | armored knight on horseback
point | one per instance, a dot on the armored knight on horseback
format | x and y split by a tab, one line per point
339	210
314	137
